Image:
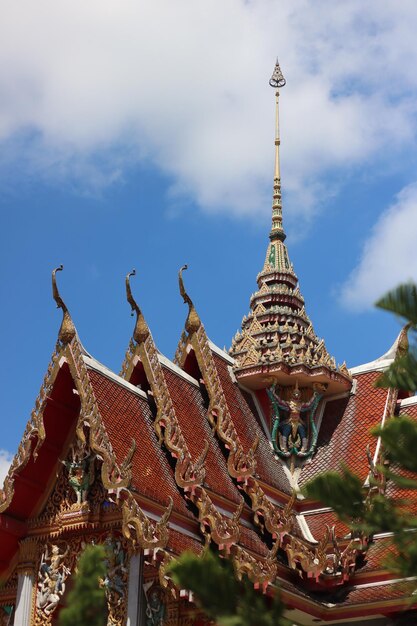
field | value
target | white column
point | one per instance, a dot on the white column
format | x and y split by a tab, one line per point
24	598
134	594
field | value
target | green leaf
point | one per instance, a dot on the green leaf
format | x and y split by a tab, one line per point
343	492
86	602
223	598
402	301
383	516
399	437
401	374
402	481
211	580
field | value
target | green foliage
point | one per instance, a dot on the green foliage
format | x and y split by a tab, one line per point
86	602
342	491
401	301
399	436
221	596
401	374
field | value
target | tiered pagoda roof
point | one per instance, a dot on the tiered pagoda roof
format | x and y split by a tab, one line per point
277	342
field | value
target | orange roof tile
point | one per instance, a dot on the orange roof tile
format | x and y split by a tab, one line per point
244	416
127	416
345	430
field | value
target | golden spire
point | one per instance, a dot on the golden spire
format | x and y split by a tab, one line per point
277	232
141	331
193	321
67	329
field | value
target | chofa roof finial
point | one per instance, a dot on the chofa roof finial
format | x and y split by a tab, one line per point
141	331
67	329
193	321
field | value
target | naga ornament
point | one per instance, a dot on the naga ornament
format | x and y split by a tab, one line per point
294	431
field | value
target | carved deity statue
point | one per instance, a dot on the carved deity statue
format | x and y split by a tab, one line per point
155	606
291	435
51	579
115	580
80	471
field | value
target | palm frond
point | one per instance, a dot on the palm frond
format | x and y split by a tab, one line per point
402	301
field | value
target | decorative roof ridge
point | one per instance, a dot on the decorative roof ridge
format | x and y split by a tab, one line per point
311	557
35	427
385	360
34	430
115	477
99	367
137	527
189	474
67	329
241	465
304	527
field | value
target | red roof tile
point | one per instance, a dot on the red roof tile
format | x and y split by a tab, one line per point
345	430
191	414
245	418
178	543
127	416
317	523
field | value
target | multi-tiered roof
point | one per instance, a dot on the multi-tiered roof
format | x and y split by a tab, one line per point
277	342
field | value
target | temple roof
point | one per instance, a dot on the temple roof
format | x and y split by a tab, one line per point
186	451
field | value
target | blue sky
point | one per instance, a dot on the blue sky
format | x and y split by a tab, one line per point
140	134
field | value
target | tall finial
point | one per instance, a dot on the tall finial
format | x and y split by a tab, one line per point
277	232
141	331
193	322
67	330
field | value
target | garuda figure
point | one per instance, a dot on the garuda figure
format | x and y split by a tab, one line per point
294	435
155	606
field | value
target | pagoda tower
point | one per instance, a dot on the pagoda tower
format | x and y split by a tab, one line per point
277	344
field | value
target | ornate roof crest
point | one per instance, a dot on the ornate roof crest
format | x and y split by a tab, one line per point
141	331
67	329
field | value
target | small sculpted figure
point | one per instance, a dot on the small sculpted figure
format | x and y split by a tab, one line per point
155	607
80	471
116	572
52	576
292	432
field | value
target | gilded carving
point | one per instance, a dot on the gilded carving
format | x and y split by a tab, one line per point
80	467
261	571
116	580
188	474
114	476
51	578
67	330
28	555
34	431
142	531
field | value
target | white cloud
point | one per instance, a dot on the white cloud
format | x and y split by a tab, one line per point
389	256
184	85
5	460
